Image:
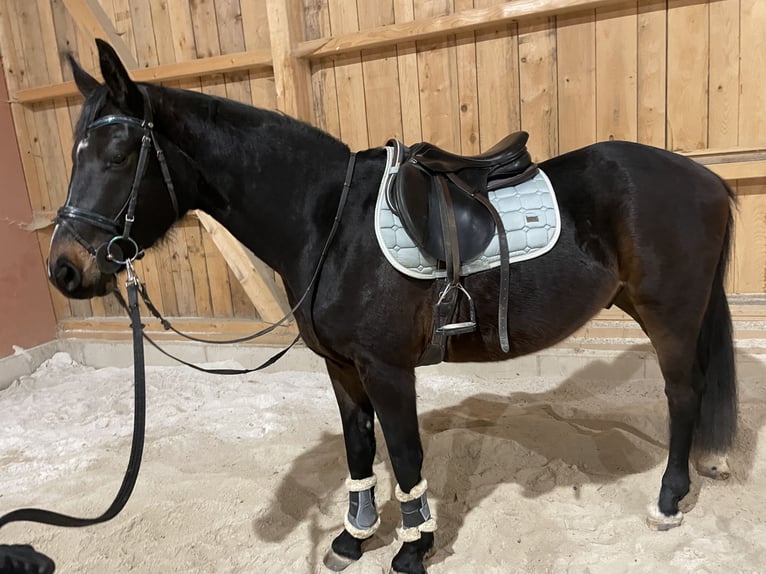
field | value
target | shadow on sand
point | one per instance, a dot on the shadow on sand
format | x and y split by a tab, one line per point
596	427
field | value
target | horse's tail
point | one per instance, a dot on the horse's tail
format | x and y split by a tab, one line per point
717	423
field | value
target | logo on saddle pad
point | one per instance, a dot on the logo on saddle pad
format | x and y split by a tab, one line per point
529	212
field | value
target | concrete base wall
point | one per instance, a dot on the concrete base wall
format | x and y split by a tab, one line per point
632	360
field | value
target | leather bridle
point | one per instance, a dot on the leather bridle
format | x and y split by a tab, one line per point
111	255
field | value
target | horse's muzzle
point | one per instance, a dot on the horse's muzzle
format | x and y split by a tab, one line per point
71	280
65	275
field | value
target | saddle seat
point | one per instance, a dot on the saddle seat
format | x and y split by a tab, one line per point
507	151
416	192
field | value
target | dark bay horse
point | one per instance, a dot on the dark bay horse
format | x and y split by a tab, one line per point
641	228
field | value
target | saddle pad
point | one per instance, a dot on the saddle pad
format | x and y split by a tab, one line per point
529	211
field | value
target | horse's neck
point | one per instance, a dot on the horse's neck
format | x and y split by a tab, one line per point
280	179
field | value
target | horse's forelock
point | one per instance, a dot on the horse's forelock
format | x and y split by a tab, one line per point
90	109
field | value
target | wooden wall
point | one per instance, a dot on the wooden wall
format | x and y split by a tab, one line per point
681	74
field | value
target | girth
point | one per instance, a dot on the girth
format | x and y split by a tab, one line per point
442	201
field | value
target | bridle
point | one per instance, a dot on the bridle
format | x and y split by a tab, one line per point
112	255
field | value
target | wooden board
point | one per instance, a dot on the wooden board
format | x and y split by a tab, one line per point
686	74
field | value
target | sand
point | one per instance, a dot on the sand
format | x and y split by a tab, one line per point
245	475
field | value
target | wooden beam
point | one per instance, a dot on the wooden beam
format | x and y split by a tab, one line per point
252	59
256	277
118	328
91	19
441	26
739	170
292	76
733	163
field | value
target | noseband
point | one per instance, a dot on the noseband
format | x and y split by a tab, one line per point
110	255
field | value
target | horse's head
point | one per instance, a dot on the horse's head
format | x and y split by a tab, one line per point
118	174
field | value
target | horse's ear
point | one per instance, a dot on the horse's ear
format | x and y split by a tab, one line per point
86	83
124	90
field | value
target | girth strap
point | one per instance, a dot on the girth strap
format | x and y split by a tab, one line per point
505	274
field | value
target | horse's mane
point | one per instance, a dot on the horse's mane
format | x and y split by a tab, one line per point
222	112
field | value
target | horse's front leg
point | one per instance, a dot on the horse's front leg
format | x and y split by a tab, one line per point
392	393
357	416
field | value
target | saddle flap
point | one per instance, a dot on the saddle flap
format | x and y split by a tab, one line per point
416	199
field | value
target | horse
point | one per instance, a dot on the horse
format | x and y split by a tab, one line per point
642	228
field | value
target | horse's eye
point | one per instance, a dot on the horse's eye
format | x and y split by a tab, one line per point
118	159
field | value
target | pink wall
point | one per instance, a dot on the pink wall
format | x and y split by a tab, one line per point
26	312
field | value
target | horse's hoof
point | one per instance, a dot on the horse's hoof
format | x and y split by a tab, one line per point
713	466
656	520
336	562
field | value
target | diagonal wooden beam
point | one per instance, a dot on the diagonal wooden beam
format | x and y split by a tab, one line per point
256	277
91	19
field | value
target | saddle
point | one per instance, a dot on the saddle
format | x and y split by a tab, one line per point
442	201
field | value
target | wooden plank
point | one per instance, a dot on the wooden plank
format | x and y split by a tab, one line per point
409	88
687	74
752	76
498	82
428	28
466	48
253	59
740	171
232	39
218	279
324	92
438	80
198	264
91	18
749	260
123	23
151	269
652	71
256	277
163	38
538	84
349	79
177	272
144	33
381	78
291	76
255	25
616	71
576	49
723	105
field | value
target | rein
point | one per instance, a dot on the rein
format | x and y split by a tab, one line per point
110	258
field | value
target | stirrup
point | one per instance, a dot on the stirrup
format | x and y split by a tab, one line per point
464	326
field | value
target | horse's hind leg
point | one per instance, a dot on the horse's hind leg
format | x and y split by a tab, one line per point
692	337
357	417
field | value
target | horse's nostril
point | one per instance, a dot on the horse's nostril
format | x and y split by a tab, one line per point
67	277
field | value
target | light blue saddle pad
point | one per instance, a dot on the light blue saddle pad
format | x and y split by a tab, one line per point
529	211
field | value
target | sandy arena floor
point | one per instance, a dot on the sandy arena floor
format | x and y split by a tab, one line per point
245	475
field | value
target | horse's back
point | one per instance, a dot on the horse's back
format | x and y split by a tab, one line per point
632	217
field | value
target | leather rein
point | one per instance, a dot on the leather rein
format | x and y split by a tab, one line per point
111	257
